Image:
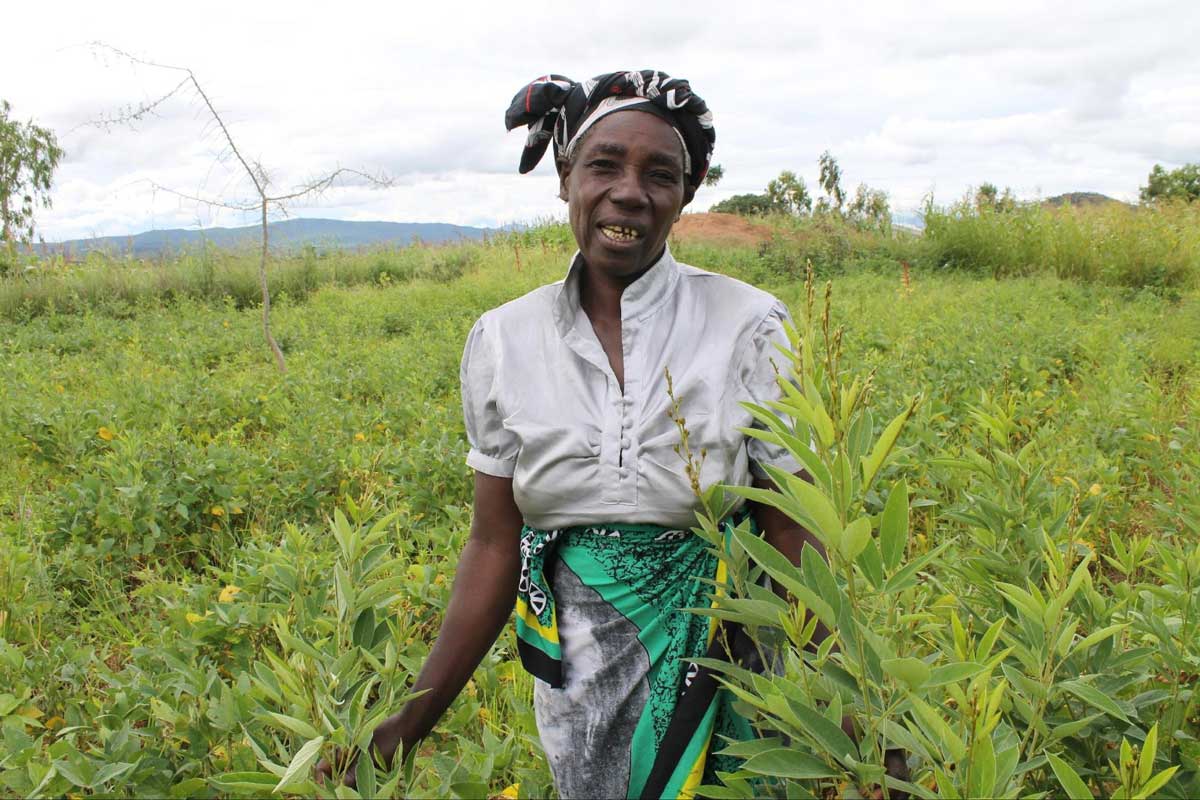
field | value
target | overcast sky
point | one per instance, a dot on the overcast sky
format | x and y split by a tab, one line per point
911	98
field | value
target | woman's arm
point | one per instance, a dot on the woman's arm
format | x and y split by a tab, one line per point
485	589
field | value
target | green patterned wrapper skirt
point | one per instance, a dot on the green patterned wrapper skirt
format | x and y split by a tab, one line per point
622	709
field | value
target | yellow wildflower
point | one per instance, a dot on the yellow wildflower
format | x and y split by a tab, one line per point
60	388
360	437
1038	393
1095	489
228	593
380	427
237	510
105	434
1150	437
225	323
217	511
484	714
511	792
193	617
55	722
440	579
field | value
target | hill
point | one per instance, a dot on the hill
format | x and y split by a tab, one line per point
287	234
1081	199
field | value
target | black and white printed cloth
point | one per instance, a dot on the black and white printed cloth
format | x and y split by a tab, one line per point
558	109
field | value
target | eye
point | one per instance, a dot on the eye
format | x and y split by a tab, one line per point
601	165
664	176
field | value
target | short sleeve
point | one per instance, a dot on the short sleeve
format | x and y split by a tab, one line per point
494	449
758	376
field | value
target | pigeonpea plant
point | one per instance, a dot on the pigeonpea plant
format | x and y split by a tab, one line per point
968	679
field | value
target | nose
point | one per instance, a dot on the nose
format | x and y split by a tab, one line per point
629	190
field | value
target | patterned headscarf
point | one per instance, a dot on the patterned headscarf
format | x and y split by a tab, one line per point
560	110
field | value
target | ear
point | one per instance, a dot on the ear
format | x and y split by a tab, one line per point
689	192
564	172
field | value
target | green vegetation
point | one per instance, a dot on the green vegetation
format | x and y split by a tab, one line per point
29	154
1112	243
1176	184
212	573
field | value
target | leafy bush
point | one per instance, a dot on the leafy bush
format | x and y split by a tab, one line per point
996	653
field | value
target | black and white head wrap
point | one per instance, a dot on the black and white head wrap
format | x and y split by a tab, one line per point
560	110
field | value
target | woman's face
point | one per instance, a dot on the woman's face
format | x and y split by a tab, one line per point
624	189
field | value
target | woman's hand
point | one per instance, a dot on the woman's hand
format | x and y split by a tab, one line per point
485	589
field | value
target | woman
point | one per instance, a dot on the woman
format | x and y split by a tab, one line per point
582	507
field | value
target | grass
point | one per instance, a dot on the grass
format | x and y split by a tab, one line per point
154	458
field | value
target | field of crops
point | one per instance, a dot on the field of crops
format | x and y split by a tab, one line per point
212	573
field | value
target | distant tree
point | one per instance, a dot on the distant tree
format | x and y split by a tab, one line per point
870	209
1177	184
831	182
715	173
789	193
29	155
747	205
989	198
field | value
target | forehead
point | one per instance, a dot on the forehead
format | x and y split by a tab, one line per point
634	133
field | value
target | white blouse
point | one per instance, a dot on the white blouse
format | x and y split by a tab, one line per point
543	406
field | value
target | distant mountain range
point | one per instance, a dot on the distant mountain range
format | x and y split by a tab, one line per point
285	234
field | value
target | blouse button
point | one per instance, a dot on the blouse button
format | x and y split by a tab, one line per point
624	444
623	473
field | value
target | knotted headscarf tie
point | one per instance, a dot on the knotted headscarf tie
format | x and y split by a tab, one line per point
559	110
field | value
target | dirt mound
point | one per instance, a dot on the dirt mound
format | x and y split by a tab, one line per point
726	229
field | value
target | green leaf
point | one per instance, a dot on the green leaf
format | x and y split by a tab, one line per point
781	570
907	575
751	747
1094	697
364	628
855	538
243	783
1156	783
893	529
1146	759
301	764
935	726
912	671
883	447
827	734
1068	729
871	563
296	726
1072	784
983	769
1096	637
787	762
469	790
187	788
953	673
110	771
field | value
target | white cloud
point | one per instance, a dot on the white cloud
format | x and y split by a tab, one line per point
1078	96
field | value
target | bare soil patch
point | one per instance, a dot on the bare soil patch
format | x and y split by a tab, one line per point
724	229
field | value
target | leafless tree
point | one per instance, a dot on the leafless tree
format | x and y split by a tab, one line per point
264	200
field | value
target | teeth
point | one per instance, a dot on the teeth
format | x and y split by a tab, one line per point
619	233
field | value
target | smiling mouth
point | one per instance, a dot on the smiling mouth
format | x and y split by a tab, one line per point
618	233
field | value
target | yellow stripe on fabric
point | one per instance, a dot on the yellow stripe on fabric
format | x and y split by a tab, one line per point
684	784
526	615
721	577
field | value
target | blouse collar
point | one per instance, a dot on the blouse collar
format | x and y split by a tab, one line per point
640	298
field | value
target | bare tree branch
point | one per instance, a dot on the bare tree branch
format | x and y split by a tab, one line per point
254	170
